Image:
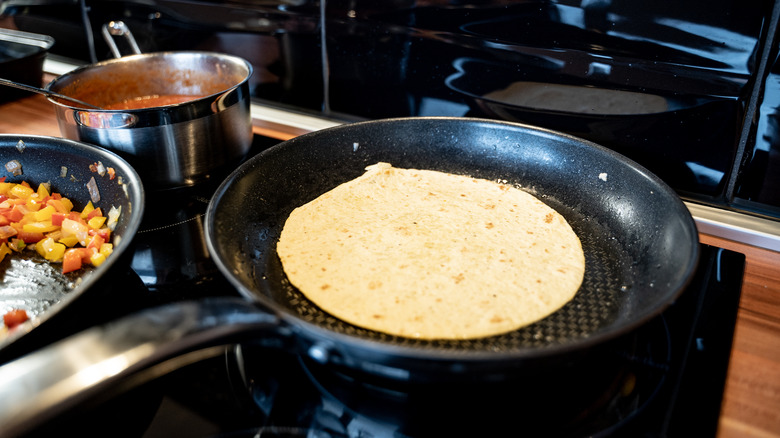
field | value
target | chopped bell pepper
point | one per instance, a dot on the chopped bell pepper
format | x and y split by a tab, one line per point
47	222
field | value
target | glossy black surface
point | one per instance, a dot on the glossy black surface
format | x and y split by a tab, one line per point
758	186
364	60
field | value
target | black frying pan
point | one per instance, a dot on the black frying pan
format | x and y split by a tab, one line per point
26	280
640	242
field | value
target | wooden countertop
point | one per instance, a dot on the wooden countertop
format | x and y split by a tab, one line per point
751	403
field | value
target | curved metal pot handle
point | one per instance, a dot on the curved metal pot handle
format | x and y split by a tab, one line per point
128	351
119	28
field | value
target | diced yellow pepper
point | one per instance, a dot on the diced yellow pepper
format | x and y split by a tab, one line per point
33	203
96	222
5	187
59	205
39	227
43	191
4	251
44	214
66	202
87	209
57	252
20	191
106	249
50	250
69	241
40	247
97	259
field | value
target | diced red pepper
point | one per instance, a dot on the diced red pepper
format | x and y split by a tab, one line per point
71	261
93	213
96	241
15	317
57	218
16	214
30	237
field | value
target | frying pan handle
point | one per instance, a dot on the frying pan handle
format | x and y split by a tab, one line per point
125	352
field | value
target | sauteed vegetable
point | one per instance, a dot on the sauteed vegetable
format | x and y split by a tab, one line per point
47	223
14	317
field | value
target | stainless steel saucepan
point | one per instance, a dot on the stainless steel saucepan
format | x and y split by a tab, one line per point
173	145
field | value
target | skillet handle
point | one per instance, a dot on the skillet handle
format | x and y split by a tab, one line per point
125	352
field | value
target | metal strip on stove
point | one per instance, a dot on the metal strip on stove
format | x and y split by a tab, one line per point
739	227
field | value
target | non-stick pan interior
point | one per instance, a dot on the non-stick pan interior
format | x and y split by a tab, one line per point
26	280
640	241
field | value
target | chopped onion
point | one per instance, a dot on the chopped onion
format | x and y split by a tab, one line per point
20	146
101	169
63	172
94	194
113	217
14	167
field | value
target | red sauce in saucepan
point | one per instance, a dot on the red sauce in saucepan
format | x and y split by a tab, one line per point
151	101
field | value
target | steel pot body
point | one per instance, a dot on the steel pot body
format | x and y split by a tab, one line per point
174	145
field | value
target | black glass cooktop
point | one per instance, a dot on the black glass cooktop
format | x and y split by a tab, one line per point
665	379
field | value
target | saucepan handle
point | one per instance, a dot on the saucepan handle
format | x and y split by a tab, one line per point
135	348
119	29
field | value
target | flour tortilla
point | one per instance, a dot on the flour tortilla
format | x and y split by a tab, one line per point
578	100
430	255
